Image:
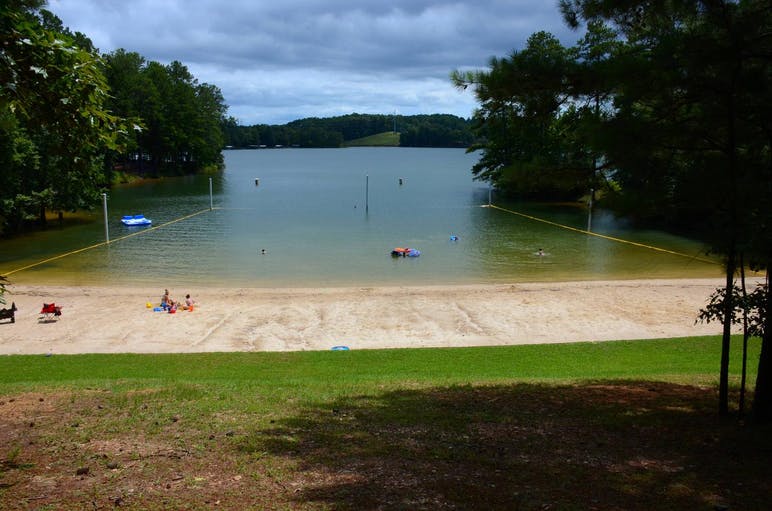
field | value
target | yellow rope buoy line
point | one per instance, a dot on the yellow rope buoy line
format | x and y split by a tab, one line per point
610	238
103	243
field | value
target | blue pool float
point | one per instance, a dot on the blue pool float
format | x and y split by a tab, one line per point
131	220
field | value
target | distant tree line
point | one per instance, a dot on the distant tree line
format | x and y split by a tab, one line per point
438	130
69	117
664	107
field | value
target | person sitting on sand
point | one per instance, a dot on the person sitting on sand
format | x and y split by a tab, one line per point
188	302
166	301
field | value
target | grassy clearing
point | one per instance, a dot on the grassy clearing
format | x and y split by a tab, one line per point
387	138
621	425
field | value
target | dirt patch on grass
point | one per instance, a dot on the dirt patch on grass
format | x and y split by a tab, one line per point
605	446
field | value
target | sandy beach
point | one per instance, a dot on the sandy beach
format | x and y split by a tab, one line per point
117	320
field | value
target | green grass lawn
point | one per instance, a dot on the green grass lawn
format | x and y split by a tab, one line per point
610	425
693	360
387	138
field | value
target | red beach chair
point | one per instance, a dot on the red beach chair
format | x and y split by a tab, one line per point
50	312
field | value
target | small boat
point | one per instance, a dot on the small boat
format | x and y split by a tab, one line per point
136	220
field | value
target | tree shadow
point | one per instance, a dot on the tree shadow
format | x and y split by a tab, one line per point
596	445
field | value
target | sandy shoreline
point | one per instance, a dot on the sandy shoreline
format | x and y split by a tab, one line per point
116	320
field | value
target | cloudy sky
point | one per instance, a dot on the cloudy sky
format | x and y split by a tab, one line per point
280	60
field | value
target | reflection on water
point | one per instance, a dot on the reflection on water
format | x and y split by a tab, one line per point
308	214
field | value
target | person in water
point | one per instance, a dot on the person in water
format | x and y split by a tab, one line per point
541	252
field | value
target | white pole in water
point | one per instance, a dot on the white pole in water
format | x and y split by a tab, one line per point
367	193
104	207
210	194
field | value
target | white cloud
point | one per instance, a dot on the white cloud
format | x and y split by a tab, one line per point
280	61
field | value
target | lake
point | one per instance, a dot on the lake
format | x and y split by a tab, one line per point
330	217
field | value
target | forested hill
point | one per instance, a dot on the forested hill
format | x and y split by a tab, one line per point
438	130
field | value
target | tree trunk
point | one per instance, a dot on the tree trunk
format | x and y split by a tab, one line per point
762	401
42	217
741	404
731	261
723	386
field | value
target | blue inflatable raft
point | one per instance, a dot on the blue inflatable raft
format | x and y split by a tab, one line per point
136	220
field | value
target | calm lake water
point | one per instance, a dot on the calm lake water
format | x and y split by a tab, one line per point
330	217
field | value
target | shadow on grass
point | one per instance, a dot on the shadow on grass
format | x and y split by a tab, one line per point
606	445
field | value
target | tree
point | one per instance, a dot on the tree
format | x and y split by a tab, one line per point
531	106
437	130
181	119
670	98
123	71
53	118
208	139
691	129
